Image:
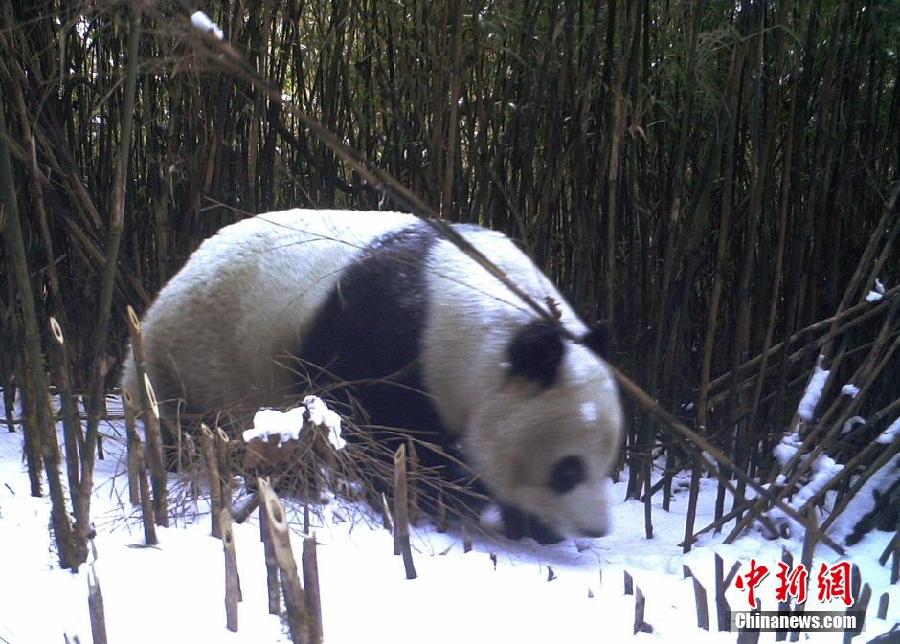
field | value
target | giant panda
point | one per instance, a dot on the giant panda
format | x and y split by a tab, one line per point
275	304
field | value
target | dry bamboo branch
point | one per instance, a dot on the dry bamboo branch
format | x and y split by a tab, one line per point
670	423
401	509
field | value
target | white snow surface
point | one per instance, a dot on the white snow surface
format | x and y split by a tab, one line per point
500	591
810	400
204	23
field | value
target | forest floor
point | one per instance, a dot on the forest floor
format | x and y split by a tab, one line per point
500	591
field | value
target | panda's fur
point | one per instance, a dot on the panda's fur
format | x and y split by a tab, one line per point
277	302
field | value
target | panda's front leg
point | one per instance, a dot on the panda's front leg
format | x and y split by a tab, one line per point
518	524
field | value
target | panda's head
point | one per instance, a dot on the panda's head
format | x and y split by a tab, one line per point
545	440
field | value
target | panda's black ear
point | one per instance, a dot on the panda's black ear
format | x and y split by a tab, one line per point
599	339
534	353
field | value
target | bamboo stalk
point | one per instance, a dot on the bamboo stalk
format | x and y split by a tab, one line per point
401	513
311	586
232	582
71	428
95	605
279	536
12	233
113	239
133	446
210	455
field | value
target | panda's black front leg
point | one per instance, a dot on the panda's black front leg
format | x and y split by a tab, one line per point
518	524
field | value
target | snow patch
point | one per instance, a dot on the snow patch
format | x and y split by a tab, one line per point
824	469
850	390
873	296
204	23
288	425
786	448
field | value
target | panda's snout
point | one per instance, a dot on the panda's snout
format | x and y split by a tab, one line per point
595	534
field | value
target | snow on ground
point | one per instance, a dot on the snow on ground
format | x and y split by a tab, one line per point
561	593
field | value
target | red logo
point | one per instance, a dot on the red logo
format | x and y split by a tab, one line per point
791	583
754	579
834	582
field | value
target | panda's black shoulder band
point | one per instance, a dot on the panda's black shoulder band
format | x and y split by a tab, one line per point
535	352
599	339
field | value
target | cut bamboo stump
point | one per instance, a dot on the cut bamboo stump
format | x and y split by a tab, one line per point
95	606
272	578
702	604
640	626
155	462
311	586
788	559
71	428
132	447
748	637
861	597
883	606
145	496
207	444
401	513
232	581
280	538
723	610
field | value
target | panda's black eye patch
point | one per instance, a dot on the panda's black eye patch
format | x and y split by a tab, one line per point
535	353
567	473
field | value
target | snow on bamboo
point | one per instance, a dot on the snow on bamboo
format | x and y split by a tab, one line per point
204	23
807	407
288	425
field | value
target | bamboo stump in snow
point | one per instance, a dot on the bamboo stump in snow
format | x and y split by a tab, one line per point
401	513
280	538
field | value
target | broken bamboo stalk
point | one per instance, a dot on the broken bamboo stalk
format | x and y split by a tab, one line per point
278	533
132	446
153	435
207	444
311	586
95	606
232	581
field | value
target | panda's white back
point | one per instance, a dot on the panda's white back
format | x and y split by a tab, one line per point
246	295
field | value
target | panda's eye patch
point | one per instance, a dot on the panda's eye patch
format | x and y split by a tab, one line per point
567	473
